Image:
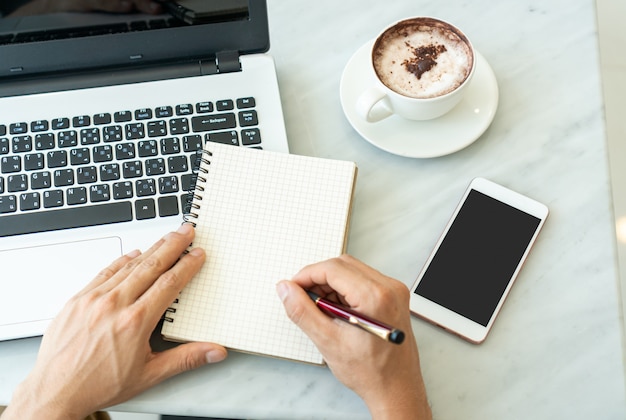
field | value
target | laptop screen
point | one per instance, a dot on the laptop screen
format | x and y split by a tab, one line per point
35	39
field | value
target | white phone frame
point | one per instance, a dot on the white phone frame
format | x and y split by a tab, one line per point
448	319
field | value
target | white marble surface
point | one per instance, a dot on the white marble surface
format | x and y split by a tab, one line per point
556	349
613	69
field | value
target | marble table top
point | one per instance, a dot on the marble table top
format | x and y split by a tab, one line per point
556	349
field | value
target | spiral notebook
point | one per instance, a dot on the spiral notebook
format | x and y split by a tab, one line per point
261	216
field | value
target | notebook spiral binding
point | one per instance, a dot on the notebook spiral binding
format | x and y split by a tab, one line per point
194	196
195	193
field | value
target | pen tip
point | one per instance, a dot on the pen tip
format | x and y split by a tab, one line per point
312	295
396	336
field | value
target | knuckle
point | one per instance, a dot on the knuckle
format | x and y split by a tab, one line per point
189	362
170	280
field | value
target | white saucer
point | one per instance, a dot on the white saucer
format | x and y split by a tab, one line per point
422	139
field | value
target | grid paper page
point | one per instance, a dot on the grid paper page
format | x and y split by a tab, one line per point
263	216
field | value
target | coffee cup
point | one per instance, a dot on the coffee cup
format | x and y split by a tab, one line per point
420	69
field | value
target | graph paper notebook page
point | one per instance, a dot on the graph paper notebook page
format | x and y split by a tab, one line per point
260	216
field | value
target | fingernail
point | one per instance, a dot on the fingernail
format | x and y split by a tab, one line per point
184	228
283	290
134	253
215	355
196	252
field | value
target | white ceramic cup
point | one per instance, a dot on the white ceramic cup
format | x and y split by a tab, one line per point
420	69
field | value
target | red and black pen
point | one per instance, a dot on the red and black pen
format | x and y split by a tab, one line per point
370	325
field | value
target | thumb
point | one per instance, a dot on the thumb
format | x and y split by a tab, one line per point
185	357
303	312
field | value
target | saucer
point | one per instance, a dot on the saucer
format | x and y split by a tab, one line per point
422	139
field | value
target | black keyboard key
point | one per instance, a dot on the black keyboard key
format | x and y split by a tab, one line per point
63	177
87	175
213	122
122	190
102	154
18	128
21	144
147	148
124	151
225	105
76	195
248	118
38	126
143	114
8	204
145	187
192	143
179	126
89	136
10	164
110	172
30	201
168	184
80	156
135	131
157	128
100	119
168	206
1	185
224	137
176	164
3	130
243	103
155	166
122	116
53	198
132	169
99	193
16	183
250	136
44	141
184	109
34	161
81	216
204	107
67	138
145	209
163	112
170	146
81	121
4	146
112	133
40	180
60	123
57	158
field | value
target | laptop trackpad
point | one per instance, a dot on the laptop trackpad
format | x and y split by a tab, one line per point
39	280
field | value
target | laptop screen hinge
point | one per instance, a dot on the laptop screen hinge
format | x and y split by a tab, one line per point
225	62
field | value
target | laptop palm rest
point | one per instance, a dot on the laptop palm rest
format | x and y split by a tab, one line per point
29	304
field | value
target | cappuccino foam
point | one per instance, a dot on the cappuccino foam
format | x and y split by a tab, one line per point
422	58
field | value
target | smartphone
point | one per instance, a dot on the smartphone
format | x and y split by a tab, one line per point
471	270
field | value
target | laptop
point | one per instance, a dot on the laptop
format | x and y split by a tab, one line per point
102	119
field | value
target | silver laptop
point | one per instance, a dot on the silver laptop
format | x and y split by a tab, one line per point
102	117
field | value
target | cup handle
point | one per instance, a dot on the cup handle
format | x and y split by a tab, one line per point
373	105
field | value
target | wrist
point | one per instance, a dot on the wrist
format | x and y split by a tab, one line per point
28	402
408	403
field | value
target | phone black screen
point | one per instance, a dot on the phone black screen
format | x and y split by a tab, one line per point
478	256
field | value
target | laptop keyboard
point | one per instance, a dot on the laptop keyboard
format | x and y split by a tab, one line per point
88	170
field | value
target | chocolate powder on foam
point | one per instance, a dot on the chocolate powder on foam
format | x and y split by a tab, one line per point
424	60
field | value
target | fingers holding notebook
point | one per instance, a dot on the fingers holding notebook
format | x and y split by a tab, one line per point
96	352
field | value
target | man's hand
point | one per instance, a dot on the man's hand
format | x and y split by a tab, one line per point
96	352
387	376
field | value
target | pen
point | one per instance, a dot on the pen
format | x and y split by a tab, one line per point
370	325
